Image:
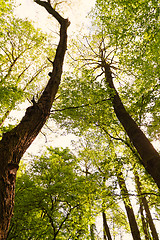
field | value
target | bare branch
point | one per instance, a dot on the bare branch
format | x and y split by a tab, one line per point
52	11
81	106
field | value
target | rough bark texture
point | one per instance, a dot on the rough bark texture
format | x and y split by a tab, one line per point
14	143
130	213
150	157
105	227
146	207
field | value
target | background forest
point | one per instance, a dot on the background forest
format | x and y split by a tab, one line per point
97	187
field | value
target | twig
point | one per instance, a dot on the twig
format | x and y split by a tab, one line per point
76	107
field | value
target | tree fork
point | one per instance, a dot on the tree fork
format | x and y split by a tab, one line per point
14	143
149	156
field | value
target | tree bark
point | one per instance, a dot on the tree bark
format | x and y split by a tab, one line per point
150	157
105	227
146	207
14	143
130	213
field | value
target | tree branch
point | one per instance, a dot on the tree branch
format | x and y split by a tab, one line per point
81	106
50	10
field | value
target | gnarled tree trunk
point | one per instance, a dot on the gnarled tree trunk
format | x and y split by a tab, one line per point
14	143
150	157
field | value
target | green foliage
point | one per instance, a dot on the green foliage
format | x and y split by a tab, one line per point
23	60
60	195
133	29
84	104
49	200
128	34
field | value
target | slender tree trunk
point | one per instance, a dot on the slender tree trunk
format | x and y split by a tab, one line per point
144	223
105	227
130	213
150	157
14	143
146	207
104	236
92	226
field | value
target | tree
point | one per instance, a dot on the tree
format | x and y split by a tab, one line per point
50	201
98	59
90	91
135	60
106	228
15	143
97	157
144	204
150	157
129	209
107	165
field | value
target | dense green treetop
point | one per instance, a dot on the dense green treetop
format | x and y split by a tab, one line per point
133	29
51	199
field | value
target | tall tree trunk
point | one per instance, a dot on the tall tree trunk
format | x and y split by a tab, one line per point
106	231
104	236
146	207
14	143
106	228
130	213
150	157
92	226
144	223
